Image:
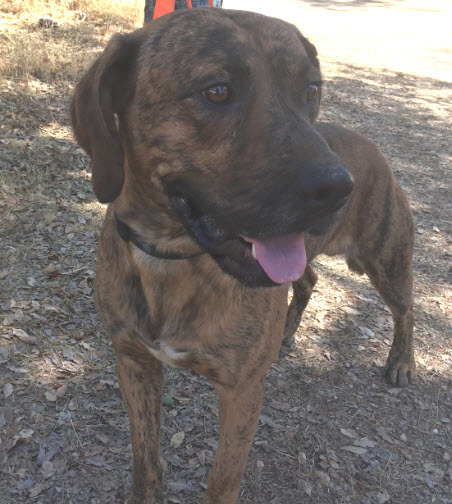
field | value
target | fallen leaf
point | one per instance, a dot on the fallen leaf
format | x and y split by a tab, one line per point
366	332
52	270
7	390
26	484
177	439
174	499
51	395
102	385
349	311
266	420
53	308
78	359
202	457
103	438
36	490
49	448
383	497
167	400
365	443
99	461
8	321
25	434
68	353
176	486
355	449
306	487
72	405
23	336
61	390
381	431
200	472
47	469
324	478
186	394
349	433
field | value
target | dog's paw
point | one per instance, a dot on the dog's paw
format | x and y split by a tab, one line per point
289	332
400	370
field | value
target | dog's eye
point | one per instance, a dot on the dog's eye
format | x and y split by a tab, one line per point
312	92
217	94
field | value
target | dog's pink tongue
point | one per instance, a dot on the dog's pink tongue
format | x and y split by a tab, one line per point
282	258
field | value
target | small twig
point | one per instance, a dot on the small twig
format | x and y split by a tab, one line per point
282	453
75	432
73	272
384	469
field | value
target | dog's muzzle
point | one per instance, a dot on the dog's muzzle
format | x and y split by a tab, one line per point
262	243
271	259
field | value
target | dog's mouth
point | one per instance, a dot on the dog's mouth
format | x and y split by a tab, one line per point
283	258
256	262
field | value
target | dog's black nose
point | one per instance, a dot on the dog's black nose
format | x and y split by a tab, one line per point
326	188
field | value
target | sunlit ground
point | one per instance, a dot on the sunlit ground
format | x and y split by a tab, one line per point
413	36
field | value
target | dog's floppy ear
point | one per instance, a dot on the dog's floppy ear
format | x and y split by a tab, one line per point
104	91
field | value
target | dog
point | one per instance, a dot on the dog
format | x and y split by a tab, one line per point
222	189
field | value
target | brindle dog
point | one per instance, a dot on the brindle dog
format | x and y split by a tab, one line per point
222	190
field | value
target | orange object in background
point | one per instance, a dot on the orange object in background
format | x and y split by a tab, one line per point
163	7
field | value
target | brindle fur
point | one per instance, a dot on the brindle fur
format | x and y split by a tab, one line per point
138	115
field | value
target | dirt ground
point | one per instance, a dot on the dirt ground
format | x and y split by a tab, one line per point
331	430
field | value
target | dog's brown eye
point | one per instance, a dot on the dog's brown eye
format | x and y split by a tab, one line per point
312	92
217	94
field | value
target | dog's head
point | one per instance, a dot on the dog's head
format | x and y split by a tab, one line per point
200	125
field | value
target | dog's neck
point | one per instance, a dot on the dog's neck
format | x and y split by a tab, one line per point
129	235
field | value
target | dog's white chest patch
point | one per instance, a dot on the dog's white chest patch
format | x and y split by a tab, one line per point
166	353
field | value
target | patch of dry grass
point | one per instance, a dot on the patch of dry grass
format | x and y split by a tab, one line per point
58	39
67	10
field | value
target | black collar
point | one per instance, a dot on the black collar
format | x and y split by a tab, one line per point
128	234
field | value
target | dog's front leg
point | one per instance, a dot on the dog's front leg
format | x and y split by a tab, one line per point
302	291
239	415
141	380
